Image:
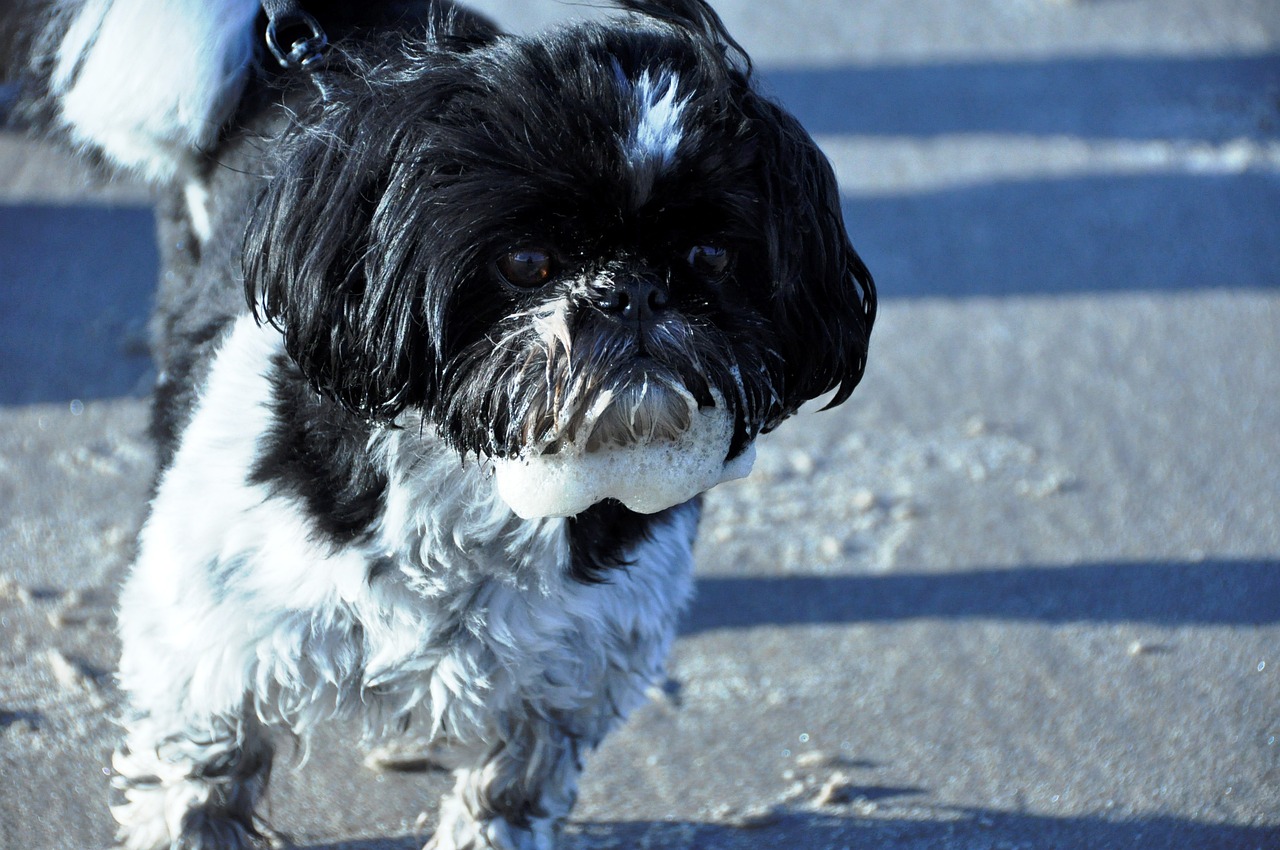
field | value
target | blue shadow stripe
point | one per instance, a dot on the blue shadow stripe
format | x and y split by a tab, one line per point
1102	234
76	286
1222	592
1198	98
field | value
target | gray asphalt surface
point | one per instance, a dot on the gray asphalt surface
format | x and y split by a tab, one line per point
1022	591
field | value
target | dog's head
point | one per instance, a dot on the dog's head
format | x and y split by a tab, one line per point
561	238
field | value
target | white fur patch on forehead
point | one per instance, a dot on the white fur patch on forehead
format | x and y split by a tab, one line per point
654	137
657	133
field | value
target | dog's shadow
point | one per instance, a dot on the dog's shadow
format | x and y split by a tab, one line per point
915	825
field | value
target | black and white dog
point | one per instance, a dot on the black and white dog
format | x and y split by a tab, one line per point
436	252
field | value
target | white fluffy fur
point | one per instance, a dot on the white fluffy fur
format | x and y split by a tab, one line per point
146	82
235	612
657	133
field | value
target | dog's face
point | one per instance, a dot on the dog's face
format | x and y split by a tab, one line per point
535	241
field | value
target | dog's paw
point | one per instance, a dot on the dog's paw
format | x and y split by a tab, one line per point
196	829
461	833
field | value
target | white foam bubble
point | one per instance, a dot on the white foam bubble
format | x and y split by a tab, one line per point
646	477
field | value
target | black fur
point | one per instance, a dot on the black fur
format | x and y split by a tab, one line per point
317	453
600	536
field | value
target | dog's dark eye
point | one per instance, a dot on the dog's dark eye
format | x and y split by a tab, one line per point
710	261
526	267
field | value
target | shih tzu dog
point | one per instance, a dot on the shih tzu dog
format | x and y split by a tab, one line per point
454	327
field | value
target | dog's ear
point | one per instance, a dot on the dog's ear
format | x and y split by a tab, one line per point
326	263
824	296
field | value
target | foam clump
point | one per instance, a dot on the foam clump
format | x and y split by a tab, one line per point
647	476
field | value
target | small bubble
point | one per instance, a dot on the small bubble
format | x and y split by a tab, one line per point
830	547
801	463
1262	665
77	407
804	737
1271	742
786	754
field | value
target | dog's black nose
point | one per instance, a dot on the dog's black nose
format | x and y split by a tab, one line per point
635	298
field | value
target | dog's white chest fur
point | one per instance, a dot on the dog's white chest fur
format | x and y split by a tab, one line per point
452	600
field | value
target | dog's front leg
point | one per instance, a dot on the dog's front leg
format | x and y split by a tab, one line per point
518	796
196	758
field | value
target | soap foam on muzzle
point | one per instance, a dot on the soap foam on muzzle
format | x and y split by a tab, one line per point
647	477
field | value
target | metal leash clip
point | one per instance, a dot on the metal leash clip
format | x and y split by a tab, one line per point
307	49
